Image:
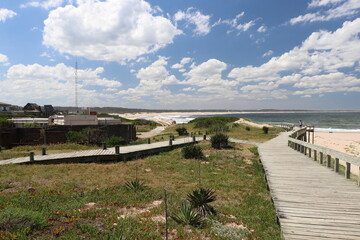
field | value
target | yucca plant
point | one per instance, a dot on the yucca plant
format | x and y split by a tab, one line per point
188	216
192	151
135	185
200	198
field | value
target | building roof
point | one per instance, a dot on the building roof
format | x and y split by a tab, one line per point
4	104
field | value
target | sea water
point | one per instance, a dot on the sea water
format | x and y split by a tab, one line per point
322	121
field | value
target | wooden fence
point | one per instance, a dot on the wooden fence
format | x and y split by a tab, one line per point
325	156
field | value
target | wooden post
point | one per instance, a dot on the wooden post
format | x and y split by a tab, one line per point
43	151
194	139
104	146
32	157
321	158
204	137
117	149
336	165
328	163
310	152
315	155
305	150
148	141
347	170
170	142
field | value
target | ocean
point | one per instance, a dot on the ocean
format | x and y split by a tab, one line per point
322	121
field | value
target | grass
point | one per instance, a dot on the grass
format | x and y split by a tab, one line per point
77	205
23	151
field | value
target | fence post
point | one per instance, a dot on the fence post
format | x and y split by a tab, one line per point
32	156
321	157
43	151
336	165
148	140
315	155
310	150
347	170
104	146
204	137
328	163
194	139
170	142
117	149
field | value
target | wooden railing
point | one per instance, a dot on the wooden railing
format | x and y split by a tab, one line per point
286	126
323	155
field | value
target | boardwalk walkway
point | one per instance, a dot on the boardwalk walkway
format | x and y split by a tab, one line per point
312	201
109	154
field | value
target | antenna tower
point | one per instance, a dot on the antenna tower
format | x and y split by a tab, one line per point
76	83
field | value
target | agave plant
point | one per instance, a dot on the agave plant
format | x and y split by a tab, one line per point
188	216
135	185
200	199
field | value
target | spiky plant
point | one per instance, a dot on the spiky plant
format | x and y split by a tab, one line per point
135	185
200	198
188	216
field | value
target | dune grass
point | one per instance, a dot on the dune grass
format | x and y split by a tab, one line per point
90	201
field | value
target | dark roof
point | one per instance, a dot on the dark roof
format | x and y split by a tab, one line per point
4	104
32	107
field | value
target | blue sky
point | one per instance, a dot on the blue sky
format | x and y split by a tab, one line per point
182	54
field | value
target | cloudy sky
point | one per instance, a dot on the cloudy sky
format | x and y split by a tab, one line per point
182	54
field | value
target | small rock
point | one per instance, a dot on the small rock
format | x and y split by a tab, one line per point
31	190
90	205
147	170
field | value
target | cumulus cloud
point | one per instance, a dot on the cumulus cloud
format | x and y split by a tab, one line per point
109	30
4	60
6	14
55	84
328	10
194	17
47	4
325	62
182	64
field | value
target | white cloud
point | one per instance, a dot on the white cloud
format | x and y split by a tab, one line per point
185	60
46	4
55	84
245	26
109	30
182	63
235	24
4	60
201	21
6	14
262	29
268	53
336	9
323	63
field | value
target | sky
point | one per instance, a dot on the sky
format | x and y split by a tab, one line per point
181	54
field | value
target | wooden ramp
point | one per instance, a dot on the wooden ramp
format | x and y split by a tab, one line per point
101	155
312	201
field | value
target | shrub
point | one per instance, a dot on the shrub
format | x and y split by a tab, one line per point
219	140
265	130
113	141
200	198
192	151
188	216
247	128
135	185
206	122
86	135
182	131
31	125
19	219
219	128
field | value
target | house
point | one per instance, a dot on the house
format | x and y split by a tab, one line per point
4	107
48	110
33	108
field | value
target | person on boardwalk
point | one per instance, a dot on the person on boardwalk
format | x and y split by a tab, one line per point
300	124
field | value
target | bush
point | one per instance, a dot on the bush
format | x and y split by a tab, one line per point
247	128
31	125
219	140
265	130
188	216
182	131
206	122
113	141
85	136
192	151
19	219
200	198
219	128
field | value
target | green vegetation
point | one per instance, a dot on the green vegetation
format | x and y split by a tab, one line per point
113	141
219	140
23	220
200	198
31	125
192	151
207	122
77	205
23	151
182	131
187	215
135	185
265	130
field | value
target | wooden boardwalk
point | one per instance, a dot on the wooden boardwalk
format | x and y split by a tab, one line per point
100	155
312	201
